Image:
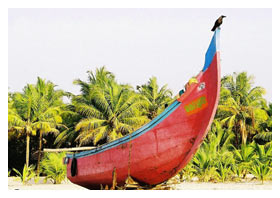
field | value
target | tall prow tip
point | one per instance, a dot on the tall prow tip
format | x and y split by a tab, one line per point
212	49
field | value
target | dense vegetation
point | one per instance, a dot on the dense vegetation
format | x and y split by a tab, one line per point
239	142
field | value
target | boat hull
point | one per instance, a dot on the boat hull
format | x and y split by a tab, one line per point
164	150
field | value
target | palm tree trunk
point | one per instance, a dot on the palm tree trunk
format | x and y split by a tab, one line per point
39	153
27	149
243	138
236	136
243	132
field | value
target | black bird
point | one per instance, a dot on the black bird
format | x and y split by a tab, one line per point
218	22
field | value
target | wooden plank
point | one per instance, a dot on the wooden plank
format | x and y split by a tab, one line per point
69	149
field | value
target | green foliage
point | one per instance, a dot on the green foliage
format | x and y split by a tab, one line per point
264	153
241	107
237	172
188	172
213	157
261	170
36	109
53	168
265	136
229	152
109	110
202	163
157	98
244	157
218	160
224	171
70	119
210	174
27	173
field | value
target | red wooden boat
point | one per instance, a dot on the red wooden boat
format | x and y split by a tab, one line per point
160	149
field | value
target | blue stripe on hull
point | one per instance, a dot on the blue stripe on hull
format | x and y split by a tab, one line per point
133	135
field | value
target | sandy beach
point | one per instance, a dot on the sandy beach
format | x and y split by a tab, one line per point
253	185
15	184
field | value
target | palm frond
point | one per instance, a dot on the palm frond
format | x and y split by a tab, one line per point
265	136
89	124
89	111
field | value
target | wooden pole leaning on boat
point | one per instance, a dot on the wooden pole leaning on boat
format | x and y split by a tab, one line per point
68	149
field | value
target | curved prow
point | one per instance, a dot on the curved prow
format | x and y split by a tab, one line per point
211	54
213	48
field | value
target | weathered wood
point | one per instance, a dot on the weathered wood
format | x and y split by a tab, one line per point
69	149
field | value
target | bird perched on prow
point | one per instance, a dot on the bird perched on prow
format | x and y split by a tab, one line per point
218	22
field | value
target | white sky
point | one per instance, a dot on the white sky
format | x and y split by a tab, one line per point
60	45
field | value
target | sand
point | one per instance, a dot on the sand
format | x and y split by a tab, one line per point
252	185
14	184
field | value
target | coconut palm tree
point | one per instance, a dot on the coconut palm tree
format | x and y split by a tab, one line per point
21	115
241	106
109	110
101	77
113	113
48	112
156	97
36	109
